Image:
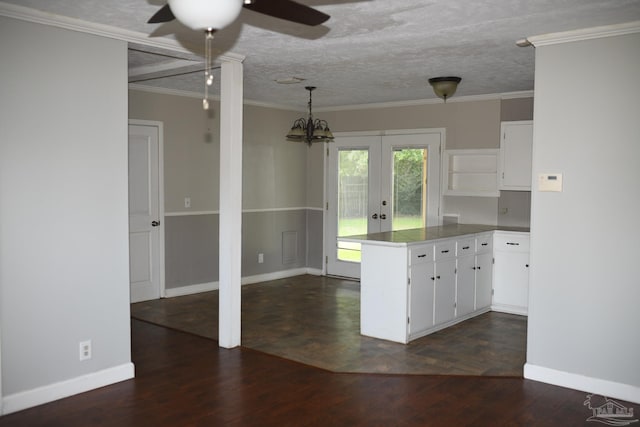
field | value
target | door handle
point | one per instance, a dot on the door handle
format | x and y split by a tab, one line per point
155	223
374	216
383	216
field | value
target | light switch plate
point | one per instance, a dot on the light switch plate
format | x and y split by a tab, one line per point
550	182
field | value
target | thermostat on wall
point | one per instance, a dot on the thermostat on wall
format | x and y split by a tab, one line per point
550	182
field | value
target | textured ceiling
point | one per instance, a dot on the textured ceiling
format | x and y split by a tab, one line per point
370	51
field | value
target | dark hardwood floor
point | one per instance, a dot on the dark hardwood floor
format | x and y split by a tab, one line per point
186	380
316	320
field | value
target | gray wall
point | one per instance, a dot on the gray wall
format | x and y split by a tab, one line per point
585	288
64	275
278	194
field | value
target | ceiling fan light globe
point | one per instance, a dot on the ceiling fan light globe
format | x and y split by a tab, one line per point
205	14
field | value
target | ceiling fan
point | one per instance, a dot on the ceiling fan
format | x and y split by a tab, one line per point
212	15
216	14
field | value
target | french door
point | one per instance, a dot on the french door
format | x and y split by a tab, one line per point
379	183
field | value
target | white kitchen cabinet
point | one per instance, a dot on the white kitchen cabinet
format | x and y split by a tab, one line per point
511	272
411	288
516	141
421	289
470	173
484	271
466	276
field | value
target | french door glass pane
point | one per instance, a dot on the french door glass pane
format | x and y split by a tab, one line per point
409	188
353	192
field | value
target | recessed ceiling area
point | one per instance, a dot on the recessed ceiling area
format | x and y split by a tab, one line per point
370	51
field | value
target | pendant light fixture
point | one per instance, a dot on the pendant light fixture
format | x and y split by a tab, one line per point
445	87
309	130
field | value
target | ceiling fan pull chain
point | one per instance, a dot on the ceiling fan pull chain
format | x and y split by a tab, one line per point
208	75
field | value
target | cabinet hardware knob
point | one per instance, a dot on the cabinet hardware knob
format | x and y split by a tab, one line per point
422	256
155	223
374	216
433	278
513	244
465	247
383	216
484	244
478	267
445	251
526	265
437	277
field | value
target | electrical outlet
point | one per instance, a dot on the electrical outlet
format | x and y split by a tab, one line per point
85	350
260	258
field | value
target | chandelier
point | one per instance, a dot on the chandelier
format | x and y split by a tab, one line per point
309	130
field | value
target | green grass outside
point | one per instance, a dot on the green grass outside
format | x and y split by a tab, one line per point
354	226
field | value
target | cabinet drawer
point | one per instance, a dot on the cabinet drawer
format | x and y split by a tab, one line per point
513	242
445	250
466	247
484	243
421	254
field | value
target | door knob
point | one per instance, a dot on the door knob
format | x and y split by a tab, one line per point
383	216
374	216
155	223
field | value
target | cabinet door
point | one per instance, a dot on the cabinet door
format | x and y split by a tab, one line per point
515	155
511	282
483	280
421	298
445	291
465	285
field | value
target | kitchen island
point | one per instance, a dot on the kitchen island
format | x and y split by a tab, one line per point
418	281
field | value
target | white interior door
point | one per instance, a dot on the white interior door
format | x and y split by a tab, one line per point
145	260
379	183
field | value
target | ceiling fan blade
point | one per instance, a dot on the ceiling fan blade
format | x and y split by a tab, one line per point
163	15
289	10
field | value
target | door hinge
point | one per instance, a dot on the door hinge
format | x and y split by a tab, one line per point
493	260
492	291
408	280
326	259
327	151
455	270
408	320
327	205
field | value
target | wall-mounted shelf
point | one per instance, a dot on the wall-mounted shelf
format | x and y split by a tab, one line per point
471	173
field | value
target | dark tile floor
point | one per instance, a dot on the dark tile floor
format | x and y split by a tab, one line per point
316	321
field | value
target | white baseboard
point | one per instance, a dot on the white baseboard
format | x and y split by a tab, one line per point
510	309
49	393
580	382
247	280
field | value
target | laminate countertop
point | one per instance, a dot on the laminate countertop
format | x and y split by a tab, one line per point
417	235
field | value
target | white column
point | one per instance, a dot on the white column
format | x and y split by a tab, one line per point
231	94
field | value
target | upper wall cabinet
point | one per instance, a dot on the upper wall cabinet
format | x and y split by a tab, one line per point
516	141
470	173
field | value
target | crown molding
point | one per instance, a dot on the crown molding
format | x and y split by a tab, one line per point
36	16
189	94
585	34
430	101
198	95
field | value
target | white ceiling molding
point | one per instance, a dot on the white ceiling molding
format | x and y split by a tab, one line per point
418	102
585	34
499	96
32	15
188	94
